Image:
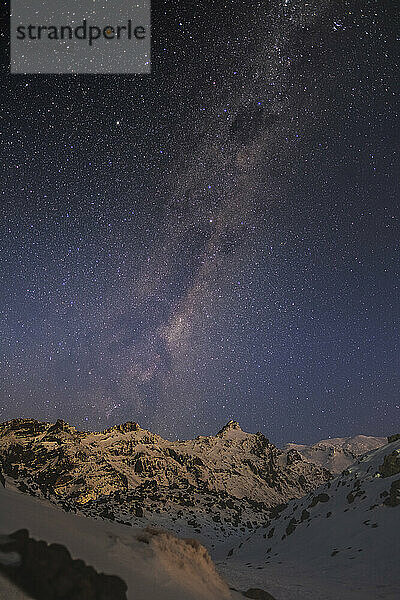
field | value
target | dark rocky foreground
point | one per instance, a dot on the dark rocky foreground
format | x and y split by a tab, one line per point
48	572
257	594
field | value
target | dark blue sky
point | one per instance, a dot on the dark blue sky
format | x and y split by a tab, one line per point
216	240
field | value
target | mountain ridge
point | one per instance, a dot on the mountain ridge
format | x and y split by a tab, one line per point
228	481
336	454
231	424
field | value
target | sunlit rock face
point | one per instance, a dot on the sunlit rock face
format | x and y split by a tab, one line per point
127	472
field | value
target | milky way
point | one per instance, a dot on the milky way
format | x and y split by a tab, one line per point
216	240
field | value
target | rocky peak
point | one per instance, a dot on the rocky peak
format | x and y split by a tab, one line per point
124	427
230	426
59	426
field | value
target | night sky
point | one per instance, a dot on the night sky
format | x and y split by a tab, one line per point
216	240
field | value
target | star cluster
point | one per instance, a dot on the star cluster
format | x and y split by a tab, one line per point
216	240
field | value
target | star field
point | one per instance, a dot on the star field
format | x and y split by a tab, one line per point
216	240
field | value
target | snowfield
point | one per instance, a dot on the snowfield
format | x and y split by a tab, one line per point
341	541
154	565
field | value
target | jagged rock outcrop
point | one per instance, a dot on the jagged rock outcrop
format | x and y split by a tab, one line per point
390	465
124	427
230	426
393	495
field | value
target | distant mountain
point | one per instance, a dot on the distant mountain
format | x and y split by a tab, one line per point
336	454
339	541
216	484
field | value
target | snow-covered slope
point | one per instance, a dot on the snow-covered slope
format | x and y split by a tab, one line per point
336	454
340	541
154	565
